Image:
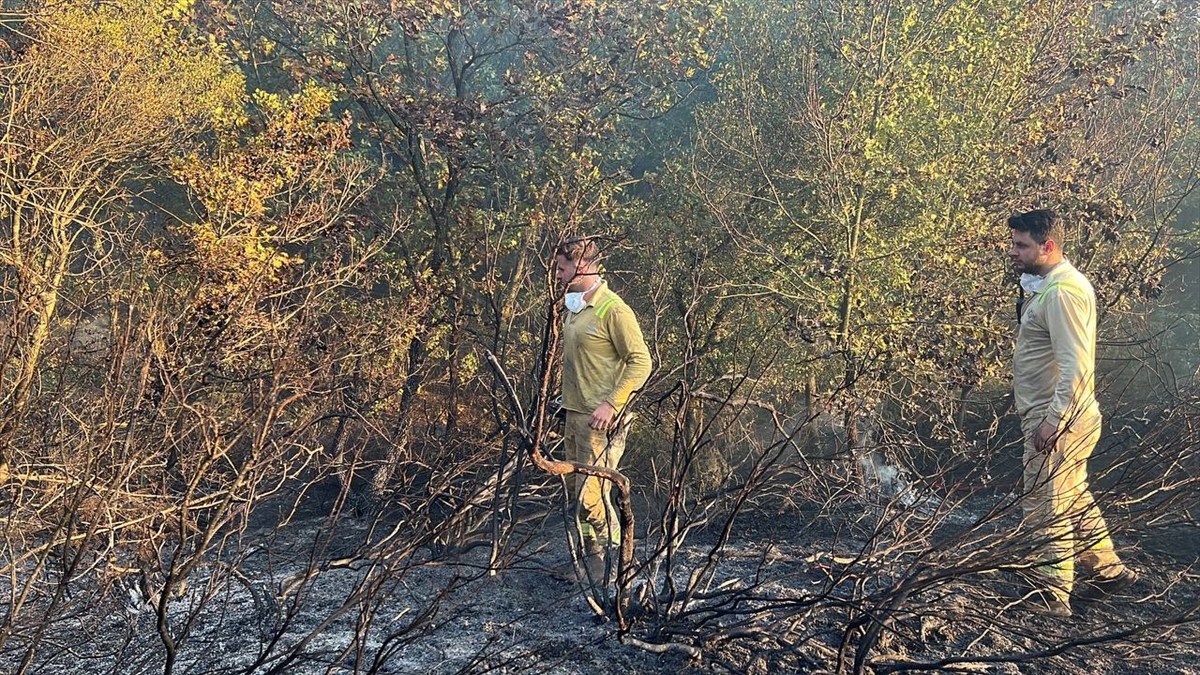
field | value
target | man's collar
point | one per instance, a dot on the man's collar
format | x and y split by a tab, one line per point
600	290
1033	284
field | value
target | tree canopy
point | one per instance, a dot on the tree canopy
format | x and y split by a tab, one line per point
258	253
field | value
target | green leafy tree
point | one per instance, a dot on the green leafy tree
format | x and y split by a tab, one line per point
95	96
854	168
503	126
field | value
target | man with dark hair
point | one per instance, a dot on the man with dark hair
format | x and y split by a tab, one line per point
1054	389
605	360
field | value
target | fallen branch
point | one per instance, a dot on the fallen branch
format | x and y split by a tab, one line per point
661	648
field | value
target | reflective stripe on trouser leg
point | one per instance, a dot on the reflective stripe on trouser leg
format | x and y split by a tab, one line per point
595	507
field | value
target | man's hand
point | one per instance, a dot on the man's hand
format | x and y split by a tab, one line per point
1045	438
604	418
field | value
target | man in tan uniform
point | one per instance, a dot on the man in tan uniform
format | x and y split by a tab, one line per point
1054	388
605	360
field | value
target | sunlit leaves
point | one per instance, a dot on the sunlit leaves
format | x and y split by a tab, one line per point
123	76
860	159
255	159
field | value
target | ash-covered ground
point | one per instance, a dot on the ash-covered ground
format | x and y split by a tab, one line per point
777	596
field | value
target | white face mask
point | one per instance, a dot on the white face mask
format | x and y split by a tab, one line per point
1032	283
575	302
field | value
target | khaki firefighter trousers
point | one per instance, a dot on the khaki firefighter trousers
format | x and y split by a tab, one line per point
1066	522
597	514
